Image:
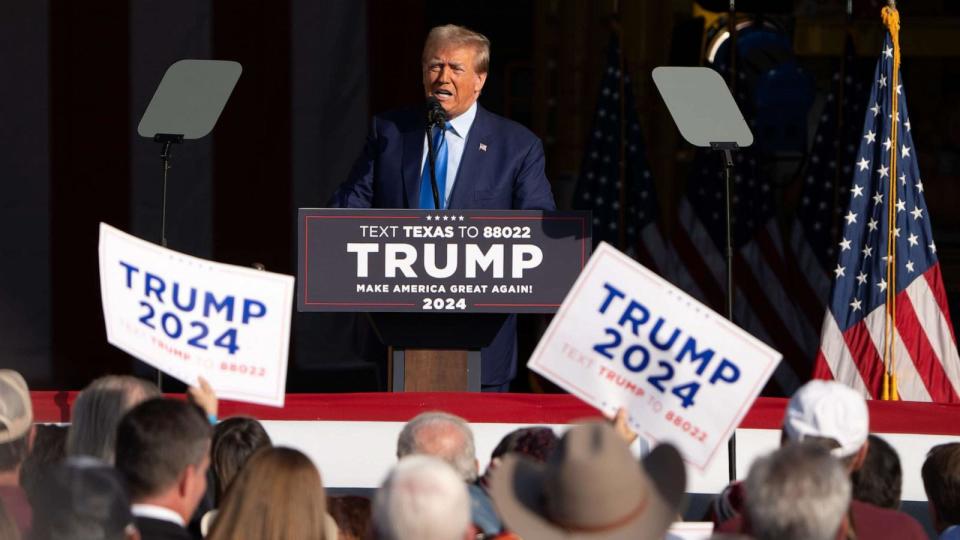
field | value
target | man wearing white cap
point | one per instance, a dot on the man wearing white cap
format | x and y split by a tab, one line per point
16	439
835	416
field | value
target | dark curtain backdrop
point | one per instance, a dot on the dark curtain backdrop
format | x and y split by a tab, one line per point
77	76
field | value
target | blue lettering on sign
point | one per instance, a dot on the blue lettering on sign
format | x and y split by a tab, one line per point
189	316
634	316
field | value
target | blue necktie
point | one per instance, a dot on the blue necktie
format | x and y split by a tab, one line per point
426	191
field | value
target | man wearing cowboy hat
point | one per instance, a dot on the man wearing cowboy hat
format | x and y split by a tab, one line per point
591	487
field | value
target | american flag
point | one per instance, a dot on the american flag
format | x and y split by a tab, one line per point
599	185
763	303
824	193
926	363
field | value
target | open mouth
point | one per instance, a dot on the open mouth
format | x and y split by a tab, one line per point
442	94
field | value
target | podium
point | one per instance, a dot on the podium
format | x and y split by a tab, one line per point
438	284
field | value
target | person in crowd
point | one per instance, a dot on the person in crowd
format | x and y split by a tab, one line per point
353	516
278	495
799	492
483	161
591	486
448	437
49	449
163	452
880	480
835	416
941	481
83	499
234	441
422	498
97	411
16	439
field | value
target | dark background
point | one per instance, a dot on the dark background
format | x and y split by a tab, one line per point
76	77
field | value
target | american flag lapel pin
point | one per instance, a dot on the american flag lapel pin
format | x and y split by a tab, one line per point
483	147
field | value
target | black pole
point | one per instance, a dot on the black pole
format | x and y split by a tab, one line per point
432	161
165	140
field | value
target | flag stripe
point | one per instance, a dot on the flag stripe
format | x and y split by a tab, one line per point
935	282
910	384
804	274
793	355
836	358
698	267
922	352
865	356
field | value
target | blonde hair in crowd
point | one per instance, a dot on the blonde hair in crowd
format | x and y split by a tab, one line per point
458	36
278	495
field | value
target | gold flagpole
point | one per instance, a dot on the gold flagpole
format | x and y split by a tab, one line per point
891	18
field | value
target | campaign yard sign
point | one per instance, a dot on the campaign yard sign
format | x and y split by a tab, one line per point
624	336
190	317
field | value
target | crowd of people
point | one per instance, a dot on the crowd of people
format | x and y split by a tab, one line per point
136	465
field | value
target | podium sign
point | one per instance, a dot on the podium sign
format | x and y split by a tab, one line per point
439	261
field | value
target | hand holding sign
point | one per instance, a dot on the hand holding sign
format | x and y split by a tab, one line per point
626	337
191	318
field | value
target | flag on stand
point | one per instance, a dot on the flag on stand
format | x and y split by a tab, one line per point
887	326
623	200
824	193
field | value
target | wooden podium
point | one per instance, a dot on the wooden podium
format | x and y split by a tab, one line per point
436	352
438	285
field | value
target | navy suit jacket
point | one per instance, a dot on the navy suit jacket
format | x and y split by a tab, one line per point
502	168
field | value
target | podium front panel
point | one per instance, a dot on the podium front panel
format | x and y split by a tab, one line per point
439	261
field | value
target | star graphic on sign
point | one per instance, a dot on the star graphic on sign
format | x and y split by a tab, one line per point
886	144
917	212
867	251
933	247
920	186
844	244
875	109
888	52
882	285
904	152
461	218
857	191
870	137
901	206
863	164
861	278
839	271
429	218
878	198
855	304
903	179
445	218
913	239
884	171
850	217
909	266
882	81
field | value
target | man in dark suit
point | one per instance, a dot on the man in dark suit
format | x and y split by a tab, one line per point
483	161
163	450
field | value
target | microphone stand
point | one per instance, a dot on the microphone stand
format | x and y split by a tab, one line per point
432	159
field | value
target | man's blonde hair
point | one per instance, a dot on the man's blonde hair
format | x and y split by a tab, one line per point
458	36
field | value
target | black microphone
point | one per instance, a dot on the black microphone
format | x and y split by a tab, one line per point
436	115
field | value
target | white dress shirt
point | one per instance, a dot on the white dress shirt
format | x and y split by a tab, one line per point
157	512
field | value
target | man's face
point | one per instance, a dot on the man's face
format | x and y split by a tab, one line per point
449	76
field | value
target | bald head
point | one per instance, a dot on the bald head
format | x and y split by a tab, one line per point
441	435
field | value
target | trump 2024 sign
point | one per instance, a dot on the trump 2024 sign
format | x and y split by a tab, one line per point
626	337
190	317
